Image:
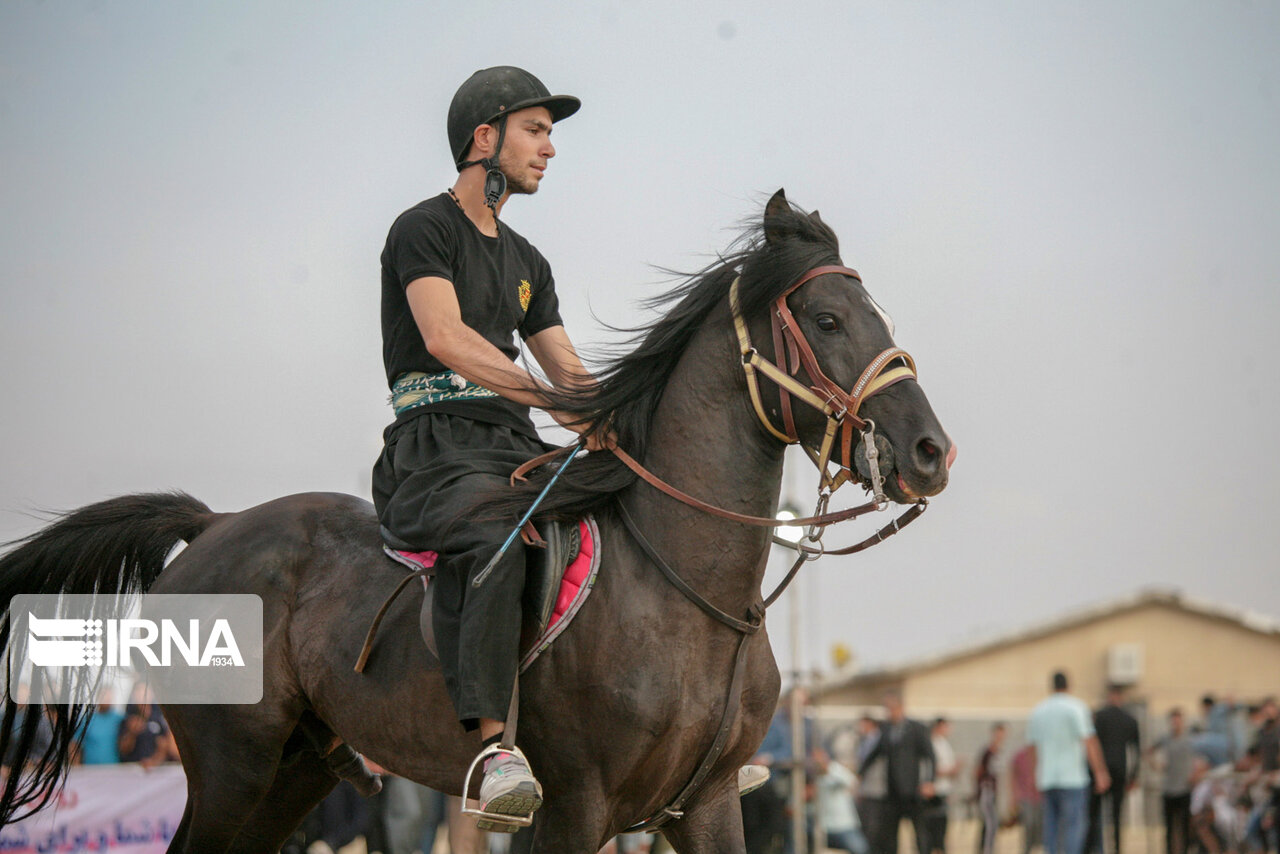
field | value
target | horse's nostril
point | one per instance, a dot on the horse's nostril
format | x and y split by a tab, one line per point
928	455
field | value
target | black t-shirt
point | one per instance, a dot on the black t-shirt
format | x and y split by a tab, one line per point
1116	730
503	284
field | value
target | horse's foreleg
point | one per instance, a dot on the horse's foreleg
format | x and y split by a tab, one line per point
713	825
298	786
569	823
230	758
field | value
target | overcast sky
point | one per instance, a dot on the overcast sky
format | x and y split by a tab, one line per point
1072	211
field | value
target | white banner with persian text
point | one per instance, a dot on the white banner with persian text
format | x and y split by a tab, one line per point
116	808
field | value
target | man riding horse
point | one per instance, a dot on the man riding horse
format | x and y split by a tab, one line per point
457	282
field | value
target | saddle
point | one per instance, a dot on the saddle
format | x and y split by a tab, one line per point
562	562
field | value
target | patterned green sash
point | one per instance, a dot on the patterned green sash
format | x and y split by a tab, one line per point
416	388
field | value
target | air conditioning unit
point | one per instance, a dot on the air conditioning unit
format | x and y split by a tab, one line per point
1124	663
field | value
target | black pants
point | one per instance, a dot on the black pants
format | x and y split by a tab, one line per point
1114	798
935	824
1177	823
433	473
764	820
886	816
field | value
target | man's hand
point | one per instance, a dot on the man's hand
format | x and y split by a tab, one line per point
602	439
1101	779
555	354
927	790
598	439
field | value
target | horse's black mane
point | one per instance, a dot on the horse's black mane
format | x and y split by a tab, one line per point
769	256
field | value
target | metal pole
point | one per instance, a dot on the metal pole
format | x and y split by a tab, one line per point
798	753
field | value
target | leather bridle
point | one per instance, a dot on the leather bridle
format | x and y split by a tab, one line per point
792	350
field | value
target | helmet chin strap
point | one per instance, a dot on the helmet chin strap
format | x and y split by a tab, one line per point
495	183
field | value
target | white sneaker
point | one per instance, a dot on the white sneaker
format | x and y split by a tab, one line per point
751	777
508	788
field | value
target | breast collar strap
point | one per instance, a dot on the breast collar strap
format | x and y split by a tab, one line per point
791	352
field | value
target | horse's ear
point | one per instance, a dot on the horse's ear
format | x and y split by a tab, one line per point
773	211
816	218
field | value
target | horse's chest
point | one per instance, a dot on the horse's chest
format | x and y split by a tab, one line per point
648	698
692	697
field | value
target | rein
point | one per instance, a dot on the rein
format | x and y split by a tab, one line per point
820	520
840	408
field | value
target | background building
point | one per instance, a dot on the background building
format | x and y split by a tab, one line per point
1166	648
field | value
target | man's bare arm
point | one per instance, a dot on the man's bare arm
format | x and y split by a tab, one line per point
555	354
460	348
1101	778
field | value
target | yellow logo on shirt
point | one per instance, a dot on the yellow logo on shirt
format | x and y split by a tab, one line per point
526	293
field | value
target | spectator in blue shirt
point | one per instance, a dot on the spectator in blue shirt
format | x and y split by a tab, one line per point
99	744
1062	736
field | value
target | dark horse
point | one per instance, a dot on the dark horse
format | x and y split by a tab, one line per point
617	716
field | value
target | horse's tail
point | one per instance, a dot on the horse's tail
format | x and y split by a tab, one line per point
116	546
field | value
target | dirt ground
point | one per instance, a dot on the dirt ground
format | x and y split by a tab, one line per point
962	838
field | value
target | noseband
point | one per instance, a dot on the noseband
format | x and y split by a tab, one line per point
792	349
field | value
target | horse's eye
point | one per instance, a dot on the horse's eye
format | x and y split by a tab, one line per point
827	323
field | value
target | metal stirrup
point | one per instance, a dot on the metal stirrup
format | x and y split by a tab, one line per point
495	817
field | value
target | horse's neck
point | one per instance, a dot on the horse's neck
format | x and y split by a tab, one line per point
704	442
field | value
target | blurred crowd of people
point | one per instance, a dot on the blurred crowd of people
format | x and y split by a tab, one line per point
401	819
1064	788
406	818
1217	774
1220	777
136	732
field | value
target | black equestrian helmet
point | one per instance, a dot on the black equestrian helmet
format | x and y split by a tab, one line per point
492	93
